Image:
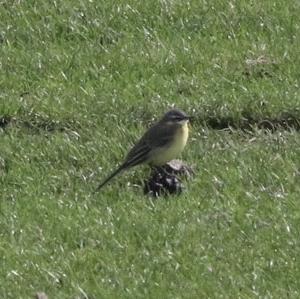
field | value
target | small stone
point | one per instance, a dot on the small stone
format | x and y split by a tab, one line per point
179	167
41	295
164	180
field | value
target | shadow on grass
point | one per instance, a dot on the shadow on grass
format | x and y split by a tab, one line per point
38	124
286	121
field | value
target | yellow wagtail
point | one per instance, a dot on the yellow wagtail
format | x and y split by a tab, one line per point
163	142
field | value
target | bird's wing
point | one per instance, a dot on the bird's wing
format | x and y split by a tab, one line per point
157	136
137	155
160	135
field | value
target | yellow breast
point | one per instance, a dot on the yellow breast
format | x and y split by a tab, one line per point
166	154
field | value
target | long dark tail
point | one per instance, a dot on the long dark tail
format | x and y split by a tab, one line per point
138	155
110	177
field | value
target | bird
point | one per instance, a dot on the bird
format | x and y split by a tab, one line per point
161	143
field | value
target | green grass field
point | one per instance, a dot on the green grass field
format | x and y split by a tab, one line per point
80	81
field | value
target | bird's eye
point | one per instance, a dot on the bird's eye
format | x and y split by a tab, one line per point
177	118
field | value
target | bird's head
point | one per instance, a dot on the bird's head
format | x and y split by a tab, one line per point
175	116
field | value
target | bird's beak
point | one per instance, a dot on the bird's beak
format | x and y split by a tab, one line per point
185	120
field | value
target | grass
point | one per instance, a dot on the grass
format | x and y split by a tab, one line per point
80	82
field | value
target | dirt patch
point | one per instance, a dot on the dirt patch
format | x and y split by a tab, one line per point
4	121
260	67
